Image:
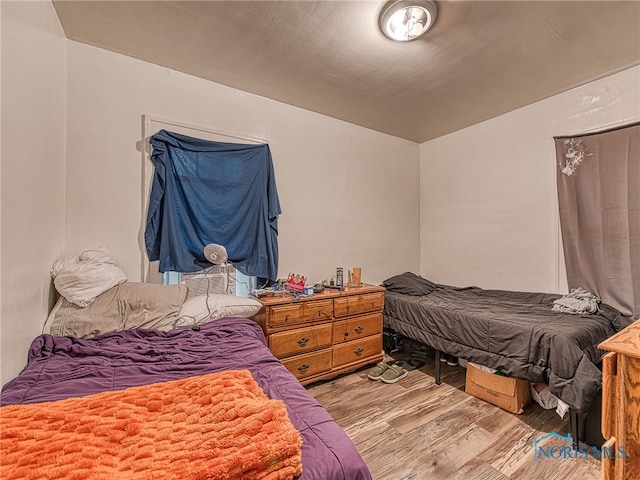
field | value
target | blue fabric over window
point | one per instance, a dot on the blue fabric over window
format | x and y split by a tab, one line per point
212	192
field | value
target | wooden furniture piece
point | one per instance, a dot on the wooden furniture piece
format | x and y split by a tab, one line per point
323	335
621	405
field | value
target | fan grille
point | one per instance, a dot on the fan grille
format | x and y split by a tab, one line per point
215	254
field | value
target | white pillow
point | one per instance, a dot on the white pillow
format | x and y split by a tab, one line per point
203	308
100	254
81	279
62	263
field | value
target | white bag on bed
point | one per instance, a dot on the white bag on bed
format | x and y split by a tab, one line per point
81	279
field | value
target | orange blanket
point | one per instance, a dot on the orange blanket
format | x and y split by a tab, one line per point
215	426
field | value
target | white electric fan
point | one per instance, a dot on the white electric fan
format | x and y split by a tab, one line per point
215	254
215	279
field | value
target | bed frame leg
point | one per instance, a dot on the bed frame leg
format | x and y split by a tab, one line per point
574	426
438	381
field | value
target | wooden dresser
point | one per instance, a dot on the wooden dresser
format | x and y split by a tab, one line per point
323	335
621	404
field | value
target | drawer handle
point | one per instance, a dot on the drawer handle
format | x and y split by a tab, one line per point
304	367
358	351
359	329
286	318
303	341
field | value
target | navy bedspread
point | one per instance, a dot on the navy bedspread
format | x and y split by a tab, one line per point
62	367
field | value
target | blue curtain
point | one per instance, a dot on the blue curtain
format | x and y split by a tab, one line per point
212	192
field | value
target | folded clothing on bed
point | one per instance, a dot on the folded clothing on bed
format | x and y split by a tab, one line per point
215	426
578	300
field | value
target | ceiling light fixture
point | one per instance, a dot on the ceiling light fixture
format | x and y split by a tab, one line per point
404	21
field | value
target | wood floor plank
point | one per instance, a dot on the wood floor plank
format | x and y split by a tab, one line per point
416	430
477	469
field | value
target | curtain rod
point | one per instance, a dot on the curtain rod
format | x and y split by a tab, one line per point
151	118
610	128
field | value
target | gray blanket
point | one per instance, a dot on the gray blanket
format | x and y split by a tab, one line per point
517	333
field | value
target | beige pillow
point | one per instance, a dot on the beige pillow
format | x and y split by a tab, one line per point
125	306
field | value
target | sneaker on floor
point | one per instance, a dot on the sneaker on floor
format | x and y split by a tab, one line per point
393	374
451	360
443	357
376	372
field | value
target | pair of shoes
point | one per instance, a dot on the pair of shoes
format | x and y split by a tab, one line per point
412	364
387	372
376	372
393	374
415	363
448	359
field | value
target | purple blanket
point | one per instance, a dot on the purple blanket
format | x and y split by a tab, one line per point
62	367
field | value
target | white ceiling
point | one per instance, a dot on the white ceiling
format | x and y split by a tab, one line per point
480	60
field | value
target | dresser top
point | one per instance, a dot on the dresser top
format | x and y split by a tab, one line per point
327	294
626	341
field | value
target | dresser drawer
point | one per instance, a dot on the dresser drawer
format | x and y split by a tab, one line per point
303	312
300	340
283	315
355	304
358	327
357	350
317	310
309	364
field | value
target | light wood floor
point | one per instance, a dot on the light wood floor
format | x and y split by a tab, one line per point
415	430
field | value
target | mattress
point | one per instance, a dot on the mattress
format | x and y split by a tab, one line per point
517	333
64	367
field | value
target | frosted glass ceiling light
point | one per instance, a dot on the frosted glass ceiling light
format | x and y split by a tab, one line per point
403	21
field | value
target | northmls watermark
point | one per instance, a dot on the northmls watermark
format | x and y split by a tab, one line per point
571	451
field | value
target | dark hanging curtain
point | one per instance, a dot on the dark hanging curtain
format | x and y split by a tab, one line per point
598	179
212	192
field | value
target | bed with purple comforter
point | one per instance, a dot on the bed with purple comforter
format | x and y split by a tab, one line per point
64	367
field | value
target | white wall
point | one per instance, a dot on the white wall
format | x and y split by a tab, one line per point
474	207
349	195
488	193
33	172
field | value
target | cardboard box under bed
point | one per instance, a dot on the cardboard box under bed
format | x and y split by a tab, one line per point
510	393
